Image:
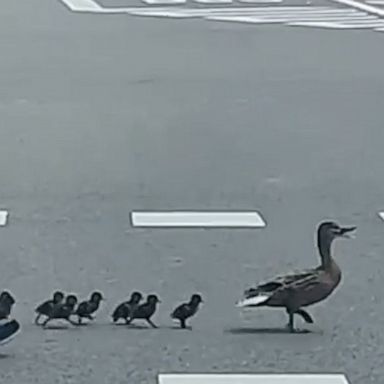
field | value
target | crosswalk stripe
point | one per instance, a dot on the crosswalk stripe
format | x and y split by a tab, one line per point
213	1
82	5
229	378
317	24
3	218
240	11
172	219
160	2
259	1
360	16
265	20
276	9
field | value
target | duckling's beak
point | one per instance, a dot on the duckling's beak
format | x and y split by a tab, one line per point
345	232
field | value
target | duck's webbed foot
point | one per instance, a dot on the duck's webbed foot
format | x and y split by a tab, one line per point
305	315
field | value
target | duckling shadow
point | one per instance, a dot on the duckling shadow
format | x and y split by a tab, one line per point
138	327
176	328
60	327
4	356
265	331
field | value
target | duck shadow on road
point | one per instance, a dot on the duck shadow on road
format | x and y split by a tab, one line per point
266	331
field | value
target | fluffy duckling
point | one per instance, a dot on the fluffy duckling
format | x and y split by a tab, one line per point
6	303
45	308
187	310
62	311
124	309
8	331
86	308
145	311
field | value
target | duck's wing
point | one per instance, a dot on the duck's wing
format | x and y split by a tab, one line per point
44	307
277	288
179	311
82	309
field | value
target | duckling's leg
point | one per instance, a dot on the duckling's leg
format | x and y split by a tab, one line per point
305	315
182	323
45	322
79	320
150	322
90	317
71	321
37	319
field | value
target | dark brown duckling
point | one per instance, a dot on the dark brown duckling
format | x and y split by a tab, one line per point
63	311
87	308
145	311
124	309
7	301
187	310
45	308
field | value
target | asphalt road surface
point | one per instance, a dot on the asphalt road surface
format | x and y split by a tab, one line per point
102	115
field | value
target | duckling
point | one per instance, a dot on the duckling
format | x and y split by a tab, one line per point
6	303
305	288
187	310
145	311
45	308
8	331
124	309
86	308
62	311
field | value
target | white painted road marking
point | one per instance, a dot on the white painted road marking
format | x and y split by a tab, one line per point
164	2
83	5
361	16
259	1
251	219
213	1
361	6
3	218
252	379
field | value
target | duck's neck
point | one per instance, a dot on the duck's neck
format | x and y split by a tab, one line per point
324	246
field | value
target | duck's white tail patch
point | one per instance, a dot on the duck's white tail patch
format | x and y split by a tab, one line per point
252	301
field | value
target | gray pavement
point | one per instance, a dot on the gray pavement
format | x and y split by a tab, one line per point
101	115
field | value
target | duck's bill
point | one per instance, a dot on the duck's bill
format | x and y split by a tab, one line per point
346	232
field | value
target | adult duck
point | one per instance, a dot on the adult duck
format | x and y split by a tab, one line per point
302	289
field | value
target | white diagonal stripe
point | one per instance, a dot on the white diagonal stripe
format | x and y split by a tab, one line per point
292	18
241	11
82	5
165	2
213	1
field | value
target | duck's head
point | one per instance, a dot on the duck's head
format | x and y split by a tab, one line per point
71	300
153	299
330	230
58	297
136	297
96	297
196	299
6	296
